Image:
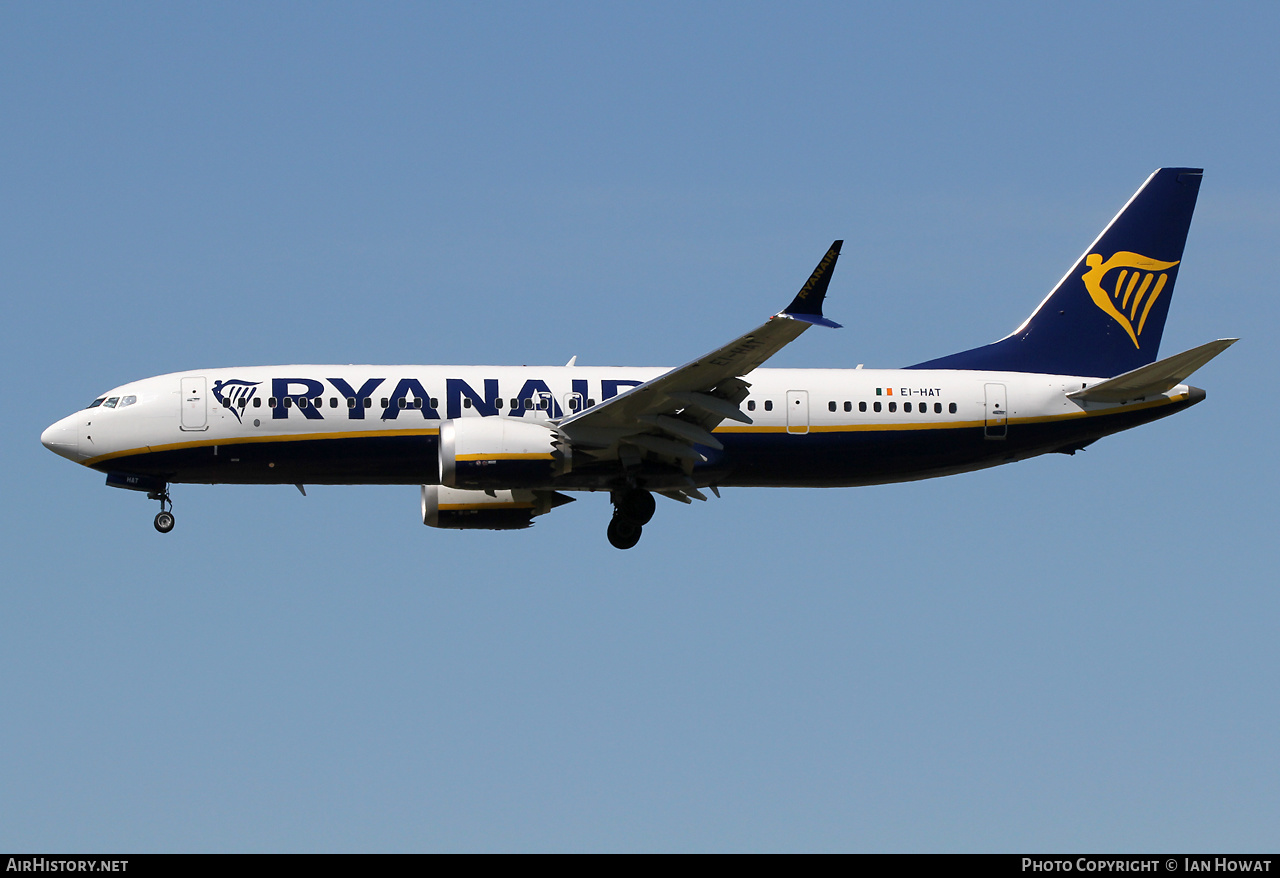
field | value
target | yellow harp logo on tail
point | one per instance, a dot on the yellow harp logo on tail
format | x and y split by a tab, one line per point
1137	285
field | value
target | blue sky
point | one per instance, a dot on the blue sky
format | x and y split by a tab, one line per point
1062	654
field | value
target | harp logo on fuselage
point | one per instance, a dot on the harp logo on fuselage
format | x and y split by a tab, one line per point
1125	287
234	395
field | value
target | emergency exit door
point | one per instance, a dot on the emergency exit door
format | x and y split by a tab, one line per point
797	411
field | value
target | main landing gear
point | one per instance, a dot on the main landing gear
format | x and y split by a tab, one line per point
164	518
632	509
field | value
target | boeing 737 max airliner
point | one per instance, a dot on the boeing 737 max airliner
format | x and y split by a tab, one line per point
496	446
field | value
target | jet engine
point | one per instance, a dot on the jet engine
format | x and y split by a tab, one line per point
499	452
507	509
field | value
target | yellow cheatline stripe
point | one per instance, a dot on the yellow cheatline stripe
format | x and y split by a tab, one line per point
245	440
540	455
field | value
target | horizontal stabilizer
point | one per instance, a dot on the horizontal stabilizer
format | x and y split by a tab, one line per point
1154	379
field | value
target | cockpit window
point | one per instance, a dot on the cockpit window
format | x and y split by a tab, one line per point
97	402
128	400
111	403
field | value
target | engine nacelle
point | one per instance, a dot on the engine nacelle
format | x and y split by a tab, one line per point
498	452
510	509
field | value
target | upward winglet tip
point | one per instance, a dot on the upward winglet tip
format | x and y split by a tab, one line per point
807	305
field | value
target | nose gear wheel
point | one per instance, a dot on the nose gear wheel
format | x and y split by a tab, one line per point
164	518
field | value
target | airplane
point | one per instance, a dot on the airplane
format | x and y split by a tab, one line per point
494	447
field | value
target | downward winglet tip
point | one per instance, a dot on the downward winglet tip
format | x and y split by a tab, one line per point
815	319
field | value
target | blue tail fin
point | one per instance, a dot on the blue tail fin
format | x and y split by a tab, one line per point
1107	314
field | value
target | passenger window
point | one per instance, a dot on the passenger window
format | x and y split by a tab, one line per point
257	402
877	405
573	404
952	408
435	403
893	406
768	405
417	402
751	405
466	402
528	404
906	407
515	403
862	406
937	408
333	402
542	405
590	403
848	406
111	403
351	402
272	402
302	402
402	402
288	402
831	406
97	402
498	403
384	402
368	402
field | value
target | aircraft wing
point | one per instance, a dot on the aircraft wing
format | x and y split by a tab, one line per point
668	415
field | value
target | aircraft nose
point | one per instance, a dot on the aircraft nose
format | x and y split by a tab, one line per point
62	438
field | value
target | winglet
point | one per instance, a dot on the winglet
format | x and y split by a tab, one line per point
807	305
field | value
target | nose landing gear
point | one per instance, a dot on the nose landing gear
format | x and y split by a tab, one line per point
164	518
632	510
